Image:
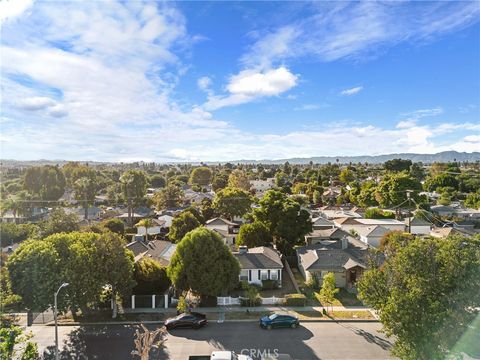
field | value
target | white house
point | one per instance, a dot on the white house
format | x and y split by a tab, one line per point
418	226
259	264
371	235
390	224
262	186
228	230
154	230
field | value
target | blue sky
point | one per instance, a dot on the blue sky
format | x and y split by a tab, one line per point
206	81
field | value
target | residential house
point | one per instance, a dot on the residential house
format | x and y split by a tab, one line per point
442	232
418	226
195	197
320	235
156	229
336	213
347	259
443	210
390	224
259	264
371	235
158	250
320	223
167	219
227	229
260	187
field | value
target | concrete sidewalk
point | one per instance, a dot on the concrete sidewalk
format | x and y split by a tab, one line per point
221	309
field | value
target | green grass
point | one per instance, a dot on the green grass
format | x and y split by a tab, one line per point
243	315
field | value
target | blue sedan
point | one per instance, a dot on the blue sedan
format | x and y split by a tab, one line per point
279	320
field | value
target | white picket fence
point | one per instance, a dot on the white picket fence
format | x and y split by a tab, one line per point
229	301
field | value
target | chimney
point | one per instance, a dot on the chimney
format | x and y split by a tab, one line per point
344	242
243	249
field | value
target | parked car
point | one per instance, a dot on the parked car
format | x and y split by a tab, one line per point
186	320
279	320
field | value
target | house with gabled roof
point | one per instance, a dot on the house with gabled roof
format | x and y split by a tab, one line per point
227	229
259	264
325	234
371	235
347	259
320	222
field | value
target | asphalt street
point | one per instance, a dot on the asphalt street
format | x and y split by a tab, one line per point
314	340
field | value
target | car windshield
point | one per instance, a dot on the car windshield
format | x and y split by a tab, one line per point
273	316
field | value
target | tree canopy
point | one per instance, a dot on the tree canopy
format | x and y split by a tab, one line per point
46	182
253	235
181	225
87	261
169	197
284	218
239	179
231	202
203	264
201	176
150	277
424	294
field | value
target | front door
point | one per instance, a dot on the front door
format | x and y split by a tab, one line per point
353	276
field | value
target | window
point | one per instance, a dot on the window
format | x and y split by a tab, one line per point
273	276
264	275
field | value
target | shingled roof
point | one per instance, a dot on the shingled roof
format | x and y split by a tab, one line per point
261	257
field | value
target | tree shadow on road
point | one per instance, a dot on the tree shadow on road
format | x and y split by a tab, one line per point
251	340
369	337
100	342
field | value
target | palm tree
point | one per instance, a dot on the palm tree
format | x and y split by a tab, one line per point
147	223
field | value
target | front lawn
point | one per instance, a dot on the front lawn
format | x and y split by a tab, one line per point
342	298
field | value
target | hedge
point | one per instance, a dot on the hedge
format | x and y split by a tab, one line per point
295	300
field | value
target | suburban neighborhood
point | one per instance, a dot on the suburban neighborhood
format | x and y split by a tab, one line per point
239	180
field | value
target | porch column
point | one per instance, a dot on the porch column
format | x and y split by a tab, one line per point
133	301
153	301
166	301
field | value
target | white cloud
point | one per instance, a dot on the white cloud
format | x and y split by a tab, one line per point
9	9
249	85
472	138
344	30
352	91
35	103
204	83
268	83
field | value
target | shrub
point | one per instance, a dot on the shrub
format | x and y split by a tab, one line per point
295	300
269	284
256	301
313	282
375	213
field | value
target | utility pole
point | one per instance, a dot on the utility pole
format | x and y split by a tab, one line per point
409	192
55	315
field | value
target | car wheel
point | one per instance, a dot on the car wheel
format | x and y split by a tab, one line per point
293	326
269	327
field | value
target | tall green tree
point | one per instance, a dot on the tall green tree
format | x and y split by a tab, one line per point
181	225
59	221
45	182
254	234
170	197
201	176
150	277
239	179
85	190
203	264
392	189
87	261
134	187
397	165
231	202
284	218
425	293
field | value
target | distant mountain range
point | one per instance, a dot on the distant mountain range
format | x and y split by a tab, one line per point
446	156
